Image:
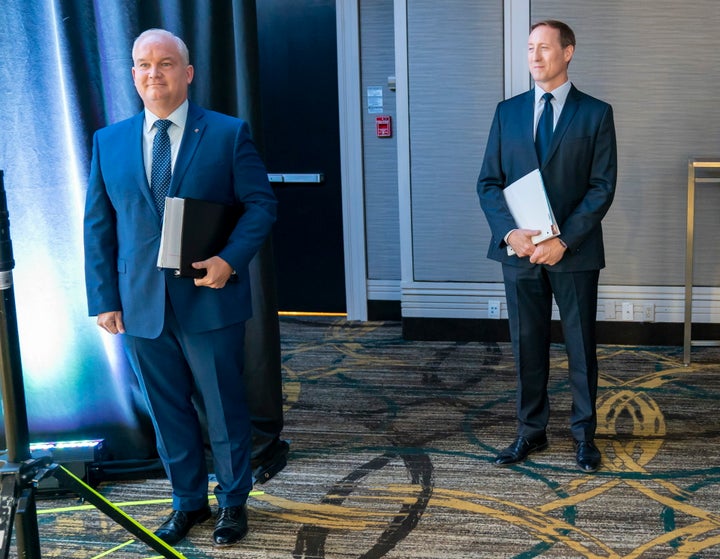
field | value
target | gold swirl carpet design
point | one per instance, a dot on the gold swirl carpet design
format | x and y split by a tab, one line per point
392	445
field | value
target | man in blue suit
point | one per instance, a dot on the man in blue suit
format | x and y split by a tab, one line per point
181	335
578	163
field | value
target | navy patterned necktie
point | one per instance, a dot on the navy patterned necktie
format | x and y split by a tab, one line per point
161	171
544	132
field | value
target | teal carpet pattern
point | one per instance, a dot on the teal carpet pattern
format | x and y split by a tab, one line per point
392	444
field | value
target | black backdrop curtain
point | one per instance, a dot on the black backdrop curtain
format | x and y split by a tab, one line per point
65	72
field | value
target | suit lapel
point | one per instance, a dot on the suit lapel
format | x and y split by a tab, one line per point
527	120
194	129
138	160
568	113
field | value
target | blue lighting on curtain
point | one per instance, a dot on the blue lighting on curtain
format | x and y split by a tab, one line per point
76	379
67	106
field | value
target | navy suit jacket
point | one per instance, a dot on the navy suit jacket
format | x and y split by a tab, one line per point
217	161
579	172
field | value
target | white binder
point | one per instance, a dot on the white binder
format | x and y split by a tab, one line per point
529	205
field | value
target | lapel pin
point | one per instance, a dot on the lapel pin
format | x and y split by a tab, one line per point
197	130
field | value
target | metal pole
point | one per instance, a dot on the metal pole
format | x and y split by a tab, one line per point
16	422
17	433
689	248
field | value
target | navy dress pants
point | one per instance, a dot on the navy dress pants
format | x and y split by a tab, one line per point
529	293
172	370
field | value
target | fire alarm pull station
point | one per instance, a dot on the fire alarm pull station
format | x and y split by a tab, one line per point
383	126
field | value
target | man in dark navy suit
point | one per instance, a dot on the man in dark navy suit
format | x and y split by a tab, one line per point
570	137
183	336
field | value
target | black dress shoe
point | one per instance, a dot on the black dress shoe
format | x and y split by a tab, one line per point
587	456
520	449
270	462
178	524
231	525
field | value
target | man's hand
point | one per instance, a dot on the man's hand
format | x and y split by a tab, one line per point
521	241
111	322
218	272
548	252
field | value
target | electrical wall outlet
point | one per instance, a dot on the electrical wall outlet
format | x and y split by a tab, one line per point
610	310
649	312
493	308
627	311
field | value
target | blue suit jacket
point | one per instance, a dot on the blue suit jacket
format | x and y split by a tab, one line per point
579	172
217	161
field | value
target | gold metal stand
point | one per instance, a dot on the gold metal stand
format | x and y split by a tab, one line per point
694	165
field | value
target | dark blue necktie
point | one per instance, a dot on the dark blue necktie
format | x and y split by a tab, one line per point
544	132
161	171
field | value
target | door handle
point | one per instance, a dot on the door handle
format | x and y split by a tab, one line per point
304	178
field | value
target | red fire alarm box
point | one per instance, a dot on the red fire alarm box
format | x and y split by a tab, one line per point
383	126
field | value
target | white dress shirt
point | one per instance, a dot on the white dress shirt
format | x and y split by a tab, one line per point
178	118
558	102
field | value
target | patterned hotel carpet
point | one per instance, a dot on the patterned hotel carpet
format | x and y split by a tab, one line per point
391	456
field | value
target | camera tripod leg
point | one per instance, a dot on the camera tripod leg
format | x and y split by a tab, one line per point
27	536
71	481
8	504
17	508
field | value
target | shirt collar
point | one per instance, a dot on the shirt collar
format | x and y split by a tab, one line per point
177	117
559	93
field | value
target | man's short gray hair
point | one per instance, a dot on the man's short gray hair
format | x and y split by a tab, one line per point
181	46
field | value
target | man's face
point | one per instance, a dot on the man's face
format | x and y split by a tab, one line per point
547	60
160	74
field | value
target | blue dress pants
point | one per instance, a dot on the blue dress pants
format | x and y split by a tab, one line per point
171	369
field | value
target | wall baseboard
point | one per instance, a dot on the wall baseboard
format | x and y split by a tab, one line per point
608	332
384	310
